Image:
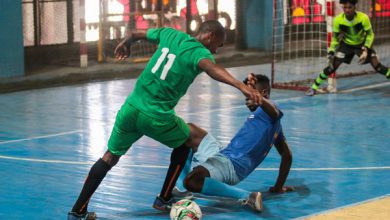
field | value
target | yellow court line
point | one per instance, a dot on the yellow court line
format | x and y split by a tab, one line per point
378	209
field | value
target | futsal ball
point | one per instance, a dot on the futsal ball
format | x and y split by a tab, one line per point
185	209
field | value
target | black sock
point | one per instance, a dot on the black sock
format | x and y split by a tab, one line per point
178	160
94	178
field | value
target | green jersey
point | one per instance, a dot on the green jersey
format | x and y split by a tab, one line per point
169	73
355	32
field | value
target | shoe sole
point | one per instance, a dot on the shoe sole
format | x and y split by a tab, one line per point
259	203
161	208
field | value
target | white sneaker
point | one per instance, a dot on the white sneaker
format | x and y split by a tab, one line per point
332	85
254	201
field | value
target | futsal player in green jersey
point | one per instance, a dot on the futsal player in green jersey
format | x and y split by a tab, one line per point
149	109
352	35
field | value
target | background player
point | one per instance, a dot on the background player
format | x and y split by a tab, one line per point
352	35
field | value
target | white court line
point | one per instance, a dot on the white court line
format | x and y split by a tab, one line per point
165	167
243	106
365	87
41	137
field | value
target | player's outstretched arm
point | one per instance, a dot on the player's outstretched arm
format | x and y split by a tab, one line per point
122	50
222	75
285	165
269	108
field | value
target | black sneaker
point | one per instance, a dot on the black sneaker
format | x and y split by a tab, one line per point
254	201
162	205
85	216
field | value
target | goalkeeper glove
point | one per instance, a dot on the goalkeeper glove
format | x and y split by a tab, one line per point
363	56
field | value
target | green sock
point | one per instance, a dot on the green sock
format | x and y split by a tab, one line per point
320	79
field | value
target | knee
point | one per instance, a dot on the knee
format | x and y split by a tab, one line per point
187	183
194	182
196	136
329	70
110	158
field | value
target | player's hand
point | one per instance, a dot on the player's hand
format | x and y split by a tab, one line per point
252	94
250	80
122	51
363	56
251	105
283	189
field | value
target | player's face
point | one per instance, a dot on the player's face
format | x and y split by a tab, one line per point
349	10
215	42
264	91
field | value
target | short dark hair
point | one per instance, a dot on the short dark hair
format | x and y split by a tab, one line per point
262	81
354	2
212	26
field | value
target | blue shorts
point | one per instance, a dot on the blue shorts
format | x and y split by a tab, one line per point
207	148
219	166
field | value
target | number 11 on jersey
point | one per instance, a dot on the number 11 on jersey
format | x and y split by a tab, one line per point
164	54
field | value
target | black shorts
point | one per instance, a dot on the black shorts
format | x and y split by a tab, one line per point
346	52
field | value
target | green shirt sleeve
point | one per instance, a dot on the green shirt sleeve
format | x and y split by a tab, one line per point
369	33
336	32
153	35
203	55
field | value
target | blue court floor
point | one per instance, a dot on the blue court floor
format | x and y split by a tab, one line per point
49	138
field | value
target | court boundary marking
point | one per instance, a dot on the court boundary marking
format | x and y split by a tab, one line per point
342	207
166	167
365	87
41	137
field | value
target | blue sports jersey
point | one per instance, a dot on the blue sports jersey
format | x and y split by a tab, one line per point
251	144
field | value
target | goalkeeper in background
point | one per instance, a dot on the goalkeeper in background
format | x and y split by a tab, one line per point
352	35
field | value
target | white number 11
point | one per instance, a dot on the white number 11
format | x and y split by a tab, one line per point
167	66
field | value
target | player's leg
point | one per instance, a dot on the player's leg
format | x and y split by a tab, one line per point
93	180
174	133
215	177
187	168
178	159
207	147
122	137
380	68
194	141
323	76
344	54
210	178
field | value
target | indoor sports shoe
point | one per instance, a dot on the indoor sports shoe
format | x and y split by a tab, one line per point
162	205
310	92
85	216
254	201
182	194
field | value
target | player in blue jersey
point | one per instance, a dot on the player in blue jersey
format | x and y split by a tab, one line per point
220	169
